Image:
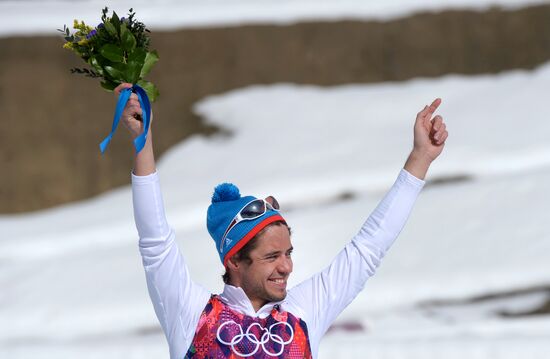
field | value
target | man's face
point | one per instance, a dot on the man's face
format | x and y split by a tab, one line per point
265	279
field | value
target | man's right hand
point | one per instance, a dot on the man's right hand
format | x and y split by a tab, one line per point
144	162
131	116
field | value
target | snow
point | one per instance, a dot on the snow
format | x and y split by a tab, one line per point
43	17
71	277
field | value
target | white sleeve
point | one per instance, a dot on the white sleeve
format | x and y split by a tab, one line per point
324	296
178	301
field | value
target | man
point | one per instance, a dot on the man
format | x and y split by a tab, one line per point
255	316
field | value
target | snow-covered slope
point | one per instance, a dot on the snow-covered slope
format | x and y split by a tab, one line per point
72	284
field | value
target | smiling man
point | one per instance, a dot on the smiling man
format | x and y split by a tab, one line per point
256	316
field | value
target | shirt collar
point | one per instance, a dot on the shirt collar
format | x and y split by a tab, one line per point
236	299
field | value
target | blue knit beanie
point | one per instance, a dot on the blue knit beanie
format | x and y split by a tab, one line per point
226	204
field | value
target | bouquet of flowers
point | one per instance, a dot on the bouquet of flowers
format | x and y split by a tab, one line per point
117	51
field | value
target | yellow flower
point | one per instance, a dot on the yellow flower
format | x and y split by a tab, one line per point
81	26
68	45
83	42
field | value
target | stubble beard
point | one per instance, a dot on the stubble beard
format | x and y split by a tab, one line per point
264	295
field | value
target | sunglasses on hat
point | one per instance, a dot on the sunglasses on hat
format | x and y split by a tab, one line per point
252	210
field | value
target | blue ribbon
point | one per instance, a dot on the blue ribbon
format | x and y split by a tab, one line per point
123	98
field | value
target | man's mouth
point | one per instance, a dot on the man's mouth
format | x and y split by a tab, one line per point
279	281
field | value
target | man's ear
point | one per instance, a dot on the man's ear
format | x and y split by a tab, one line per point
232	267
232	264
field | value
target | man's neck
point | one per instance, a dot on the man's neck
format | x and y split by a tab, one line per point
257	303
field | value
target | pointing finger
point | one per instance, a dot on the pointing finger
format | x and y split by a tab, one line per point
421	113
435	104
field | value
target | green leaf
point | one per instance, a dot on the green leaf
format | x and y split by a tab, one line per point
112	52
104	13
96	65
123	71
110	28
120	66
127	38
138	55
114	73
151	58
116	21
132	72
151	89
108	85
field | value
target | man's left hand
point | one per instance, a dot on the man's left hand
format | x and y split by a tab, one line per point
430	134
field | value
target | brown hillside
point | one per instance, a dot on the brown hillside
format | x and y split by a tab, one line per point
52	121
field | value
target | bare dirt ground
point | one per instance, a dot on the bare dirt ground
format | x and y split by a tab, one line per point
52	121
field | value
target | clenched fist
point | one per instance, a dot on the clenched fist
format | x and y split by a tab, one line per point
131	116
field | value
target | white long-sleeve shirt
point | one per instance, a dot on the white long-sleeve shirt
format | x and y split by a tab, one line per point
179	301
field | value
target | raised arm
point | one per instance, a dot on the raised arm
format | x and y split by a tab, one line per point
177	300
327	293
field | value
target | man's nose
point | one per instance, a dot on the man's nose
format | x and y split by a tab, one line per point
285	265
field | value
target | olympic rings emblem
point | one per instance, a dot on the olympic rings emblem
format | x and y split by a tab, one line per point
266	337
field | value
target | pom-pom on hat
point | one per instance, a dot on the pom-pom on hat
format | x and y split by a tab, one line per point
227	202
